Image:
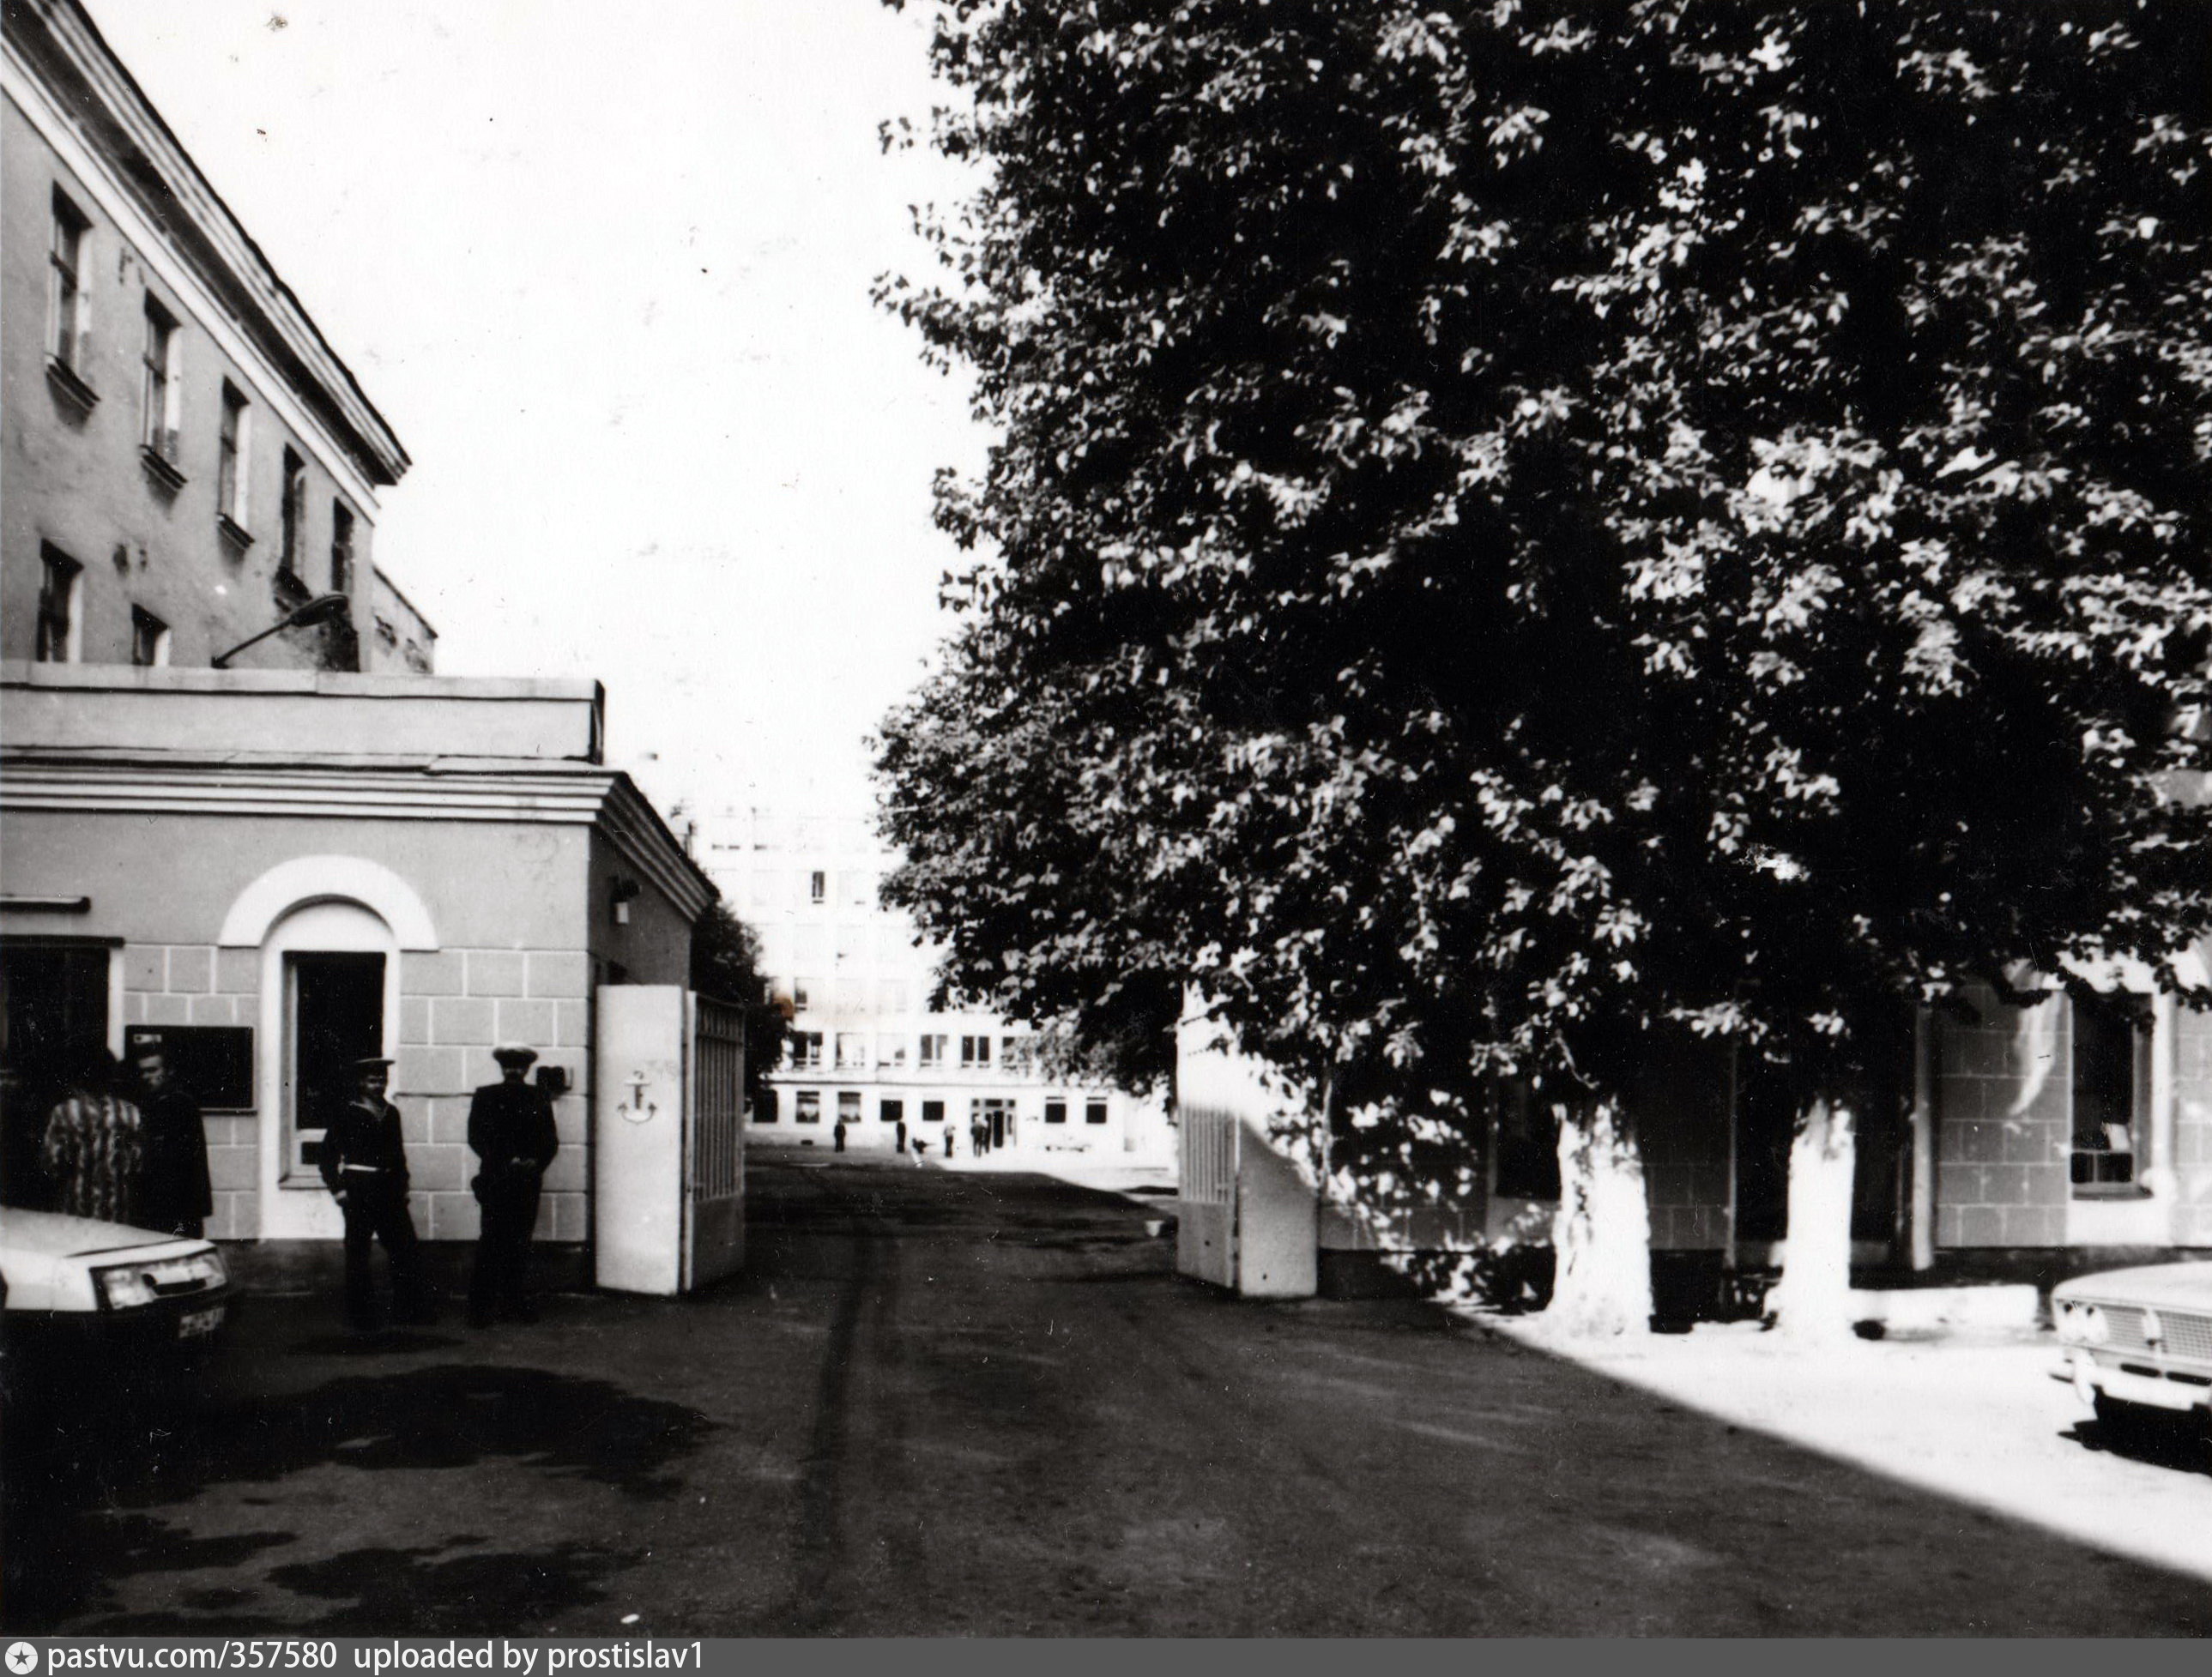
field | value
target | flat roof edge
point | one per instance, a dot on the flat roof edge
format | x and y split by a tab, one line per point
21	673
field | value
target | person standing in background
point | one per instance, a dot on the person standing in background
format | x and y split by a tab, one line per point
364	1164
92	1151
511	1131
176	1195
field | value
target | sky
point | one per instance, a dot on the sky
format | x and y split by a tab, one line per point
605	268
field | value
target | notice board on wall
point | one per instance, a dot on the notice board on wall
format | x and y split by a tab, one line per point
213	1064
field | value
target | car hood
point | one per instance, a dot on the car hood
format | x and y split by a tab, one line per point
51	1235
2179	1285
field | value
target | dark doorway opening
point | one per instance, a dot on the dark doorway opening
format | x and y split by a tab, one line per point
338	1019
55	1006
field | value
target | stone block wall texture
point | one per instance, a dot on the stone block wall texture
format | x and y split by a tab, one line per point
455	1006
195	984
2004	1128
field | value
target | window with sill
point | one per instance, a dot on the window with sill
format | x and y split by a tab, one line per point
2111	1089
1056	1112
852	1050
1094	1112
68	317
160	387
340	548
149	640
807	1108
234	457
933	1051
976	1052
292	516
61	614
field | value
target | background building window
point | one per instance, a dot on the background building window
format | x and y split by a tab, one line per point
891	1112
805	1047
852	1050
807	1109
149	640
1056	1112
933	1112
817	887
233	450
2111	1089
933	1051
975	1051
340	548
61	616
803	991
163	388
293	514
1094	1112
848	1106
891	1052
67	318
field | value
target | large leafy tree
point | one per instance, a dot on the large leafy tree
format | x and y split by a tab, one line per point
1525	533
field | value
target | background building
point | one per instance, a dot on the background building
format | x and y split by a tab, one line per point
864	1045
187	459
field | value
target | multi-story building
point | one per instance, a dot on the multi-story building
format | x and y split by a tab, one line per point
324	853
864	1048
187	461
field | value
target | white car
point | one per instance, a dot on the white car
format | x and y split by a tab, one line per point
2139	1341
83	1296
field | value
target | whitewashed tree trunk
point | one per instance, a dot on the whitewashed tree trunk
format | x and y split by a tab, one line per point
1601	1232
1813	1302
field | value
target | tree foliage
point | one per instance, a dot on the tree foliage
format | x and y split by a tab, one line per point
1519	527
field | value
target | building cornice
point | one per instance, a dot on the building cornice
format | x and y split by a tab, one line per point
430	789
111	135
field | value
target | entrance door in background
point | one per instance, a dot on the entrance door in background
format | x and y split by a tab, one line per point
335	1005
56	1004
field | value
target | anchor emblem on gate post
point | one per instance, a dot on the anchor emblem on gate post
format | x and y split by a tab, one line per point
638	1110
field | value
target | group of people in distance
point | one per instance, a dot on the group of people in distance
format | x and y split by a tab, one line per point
133	1150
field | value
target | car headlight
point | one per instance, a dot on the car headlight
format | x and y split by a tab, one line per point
2096	1329
132	1286
2069	1323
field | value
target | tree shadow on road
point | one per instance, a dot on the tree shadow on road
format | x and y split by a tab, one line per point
82	1499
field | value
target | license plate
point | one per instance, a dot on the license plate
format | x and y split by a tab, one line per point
194	1323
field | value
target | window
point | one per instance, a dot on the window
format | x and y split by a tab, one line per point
933	1112
1056	1112
1016	1052
805	1050
859	887
68	319
891	1112
891	1052
61	624
817	887
852	1049
976	1052
848	1106
890	996
340	548
802	992
293	513
2112	1085
1094	1112
933	1051
161	388
808	1108
233	456
149	640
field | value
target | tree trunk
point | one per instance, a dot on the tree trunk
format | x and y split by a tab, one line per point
1813	1302
1601	1232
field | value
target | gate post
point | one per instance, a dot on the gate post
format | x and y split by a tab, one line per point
638	1100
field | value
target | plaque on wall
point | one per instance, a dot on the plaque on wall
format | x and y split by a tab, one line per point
213	1064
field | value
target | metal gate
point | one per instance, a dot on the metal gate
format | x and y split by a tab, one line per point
714	1150
667	1152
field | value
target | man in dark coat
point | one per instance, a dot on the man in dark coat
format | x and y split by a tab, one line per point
364	1164
511	1129
174	1195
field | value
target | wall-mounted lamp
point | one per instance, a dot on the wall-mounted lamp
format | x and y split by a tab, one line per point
323	609
622	892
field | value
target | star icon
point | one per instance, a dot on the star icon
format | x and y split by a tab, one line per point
22	1658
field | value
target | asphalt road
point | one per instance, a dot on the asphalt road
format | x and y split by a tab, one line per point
984	1404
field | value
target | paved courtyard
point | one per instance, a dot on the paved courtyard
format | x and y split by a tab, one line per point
979	1403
